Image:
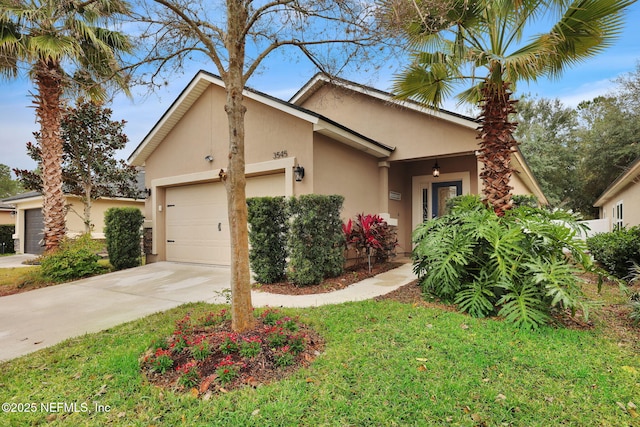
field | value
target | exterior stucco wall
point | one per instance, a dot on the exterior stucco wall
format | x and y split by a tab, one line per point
6	218
74	218
338	169
75	225
414	134
275	141
203	131
518	185
630	198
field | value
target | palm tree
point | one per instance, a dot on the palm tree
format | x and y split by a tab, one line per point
481	42
66	46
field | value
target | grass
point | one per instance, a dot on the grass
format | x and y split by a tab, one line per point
21	279
385	363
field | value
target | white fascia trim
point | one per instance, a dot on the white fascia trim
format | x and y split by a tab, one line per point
348	138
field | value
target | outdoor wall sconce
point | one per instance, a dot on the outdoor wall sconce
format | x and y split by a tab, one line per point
147	191
209	158
12	214
436	170
298	172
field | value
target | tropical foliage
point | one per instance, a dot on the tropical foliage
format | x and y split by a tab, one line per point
480	42
66	46
514	266
370	235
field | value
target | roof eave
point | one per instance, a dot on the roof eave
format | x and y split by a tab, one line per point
630	176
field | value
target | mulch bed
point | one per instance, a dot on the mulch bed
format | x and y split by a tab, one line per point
350	276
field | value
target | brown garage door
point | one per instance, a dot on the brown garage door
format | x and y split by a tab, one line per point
197	227
33	231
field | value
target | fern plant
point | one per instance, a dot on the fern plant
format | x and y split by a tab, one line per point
520	266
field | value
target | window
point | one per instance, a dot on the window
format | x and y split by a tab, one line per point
617	216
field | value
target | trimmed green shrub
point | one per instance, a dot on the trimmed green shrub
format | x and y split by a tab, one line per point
316	240
268	236
512	266
6	239
74	259
616	251
123	233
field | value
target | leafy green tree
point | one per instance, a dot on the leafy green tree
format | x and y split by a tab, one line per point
479	43
8	186
65	45
609	137
89	167
547	135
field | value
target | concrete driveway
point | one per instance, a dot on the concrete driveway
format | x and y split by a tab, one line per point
43	317
11	261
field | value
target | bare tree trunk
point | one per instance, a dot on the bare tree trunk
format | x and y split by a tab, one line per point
497	145
235	181
87	201
48	80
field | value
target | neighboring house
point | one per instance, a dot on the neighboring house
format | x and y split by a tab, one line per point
620	202
29	220
7	214
351	140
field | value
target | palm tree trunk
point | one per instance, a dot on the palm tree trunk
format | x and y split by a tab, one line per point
48	79
497	144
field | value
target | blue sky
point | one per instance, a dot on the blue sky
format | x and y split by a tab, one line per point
282	79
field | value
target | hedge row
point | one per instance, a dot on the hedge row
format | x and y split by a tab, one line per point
307	230
617	251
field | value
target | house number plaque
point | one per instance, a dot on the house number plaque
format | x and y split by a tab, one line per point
280	154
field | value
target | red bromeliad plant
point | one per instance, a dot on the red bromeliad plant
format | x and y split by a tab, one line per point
370	235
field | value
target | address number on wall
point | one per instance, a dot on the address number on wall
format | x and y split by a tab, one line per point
280	154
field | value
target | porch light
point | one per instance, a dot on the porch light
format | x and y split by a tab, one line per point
436	170
12	214
298	172
209	158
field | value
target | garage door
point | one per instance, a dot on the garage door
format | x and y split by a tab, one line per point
33	231
197	227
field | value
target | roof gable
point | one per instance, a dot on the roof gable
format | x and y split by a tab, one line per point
631	175
199	84
320	80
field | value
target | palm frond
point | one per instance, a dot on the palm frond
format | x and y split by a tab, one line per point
587	28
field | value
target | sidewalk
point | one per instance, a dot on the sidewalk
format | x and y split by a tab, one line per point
43	317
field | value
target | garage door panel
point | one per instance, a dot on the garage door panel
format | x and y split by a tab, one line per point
197	226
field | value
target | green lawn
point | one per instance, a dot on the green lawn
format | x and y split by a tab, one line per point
385	363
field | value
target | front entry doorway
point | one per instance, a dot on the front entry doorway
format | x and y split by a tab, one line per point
441	192
430	194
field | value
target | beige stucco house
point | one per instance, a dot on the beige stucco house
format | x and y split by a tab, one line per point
352	140
620	202
7	214
29	221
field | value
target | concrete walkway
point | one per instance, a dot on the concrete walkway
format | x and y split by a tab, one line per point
43	317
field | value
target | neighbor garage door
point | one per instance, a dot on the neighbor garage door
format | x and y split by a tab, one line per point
33	231
196	219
